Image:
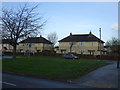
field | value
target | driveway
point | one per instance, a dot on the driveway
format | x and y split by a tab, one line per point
104	77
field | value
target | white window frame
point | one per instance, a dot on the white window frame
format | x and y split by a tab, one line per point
81	51
82	43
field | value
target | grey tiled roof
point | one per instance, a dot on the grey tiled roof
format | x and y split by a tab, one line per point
36	40
80	38
6	41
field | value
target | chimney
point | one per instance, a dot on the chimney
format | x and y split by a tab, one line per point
40	35
70	34
90	32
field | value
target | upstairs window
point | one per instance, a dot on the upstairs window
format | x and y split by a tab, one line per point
82	43
92	43
61	44
71	43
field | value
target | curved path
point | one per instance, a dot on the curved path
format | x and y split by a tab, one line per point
104	77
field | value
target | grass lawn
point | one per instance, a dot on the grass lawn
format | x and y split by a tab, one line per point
51	67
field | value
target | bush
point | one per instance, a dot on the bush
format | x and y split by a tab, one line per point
48	53
87	56
110	57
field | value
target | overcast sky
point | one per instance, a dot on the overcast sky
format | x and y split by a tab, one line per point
77	17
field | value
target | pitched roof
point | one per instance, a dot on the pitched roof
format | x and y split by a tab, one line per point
80	38
7	41
36	40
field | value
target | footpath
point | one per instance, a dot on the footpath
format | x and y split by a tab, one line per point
104	77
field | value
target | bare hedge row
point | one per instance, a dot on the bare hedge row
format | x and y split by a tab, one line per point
104	57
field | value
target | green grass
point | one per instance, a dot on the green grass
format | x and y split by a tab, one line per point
51	67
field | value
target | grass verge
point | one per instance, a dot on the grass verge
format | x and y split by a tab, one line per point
51	67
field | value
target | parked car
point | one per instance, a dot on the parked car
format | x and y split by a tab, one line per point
70	56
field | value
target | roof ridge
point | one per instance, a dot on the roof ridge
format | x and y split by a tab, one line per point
80	34
36	40
80	37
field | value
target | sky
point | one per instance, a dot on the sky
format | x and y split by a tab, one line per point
76	17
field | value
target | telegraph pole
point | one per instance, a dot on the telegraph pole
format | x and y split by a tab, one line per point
100	41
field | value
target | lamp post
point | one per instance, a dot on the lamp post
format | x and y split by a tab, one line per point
118	63
100	42
117	54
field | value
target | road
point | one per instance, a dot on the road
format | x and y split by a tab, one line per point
21	81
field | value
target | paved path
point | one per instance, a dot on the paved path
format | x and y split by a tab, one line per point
9	57
105	77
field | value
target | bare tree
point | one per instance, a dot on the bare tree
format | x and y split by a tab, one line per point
71	45
52	37
21	23
114	45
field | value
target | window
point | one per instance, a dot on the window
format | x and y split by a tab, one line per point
92	43
62	44
63	50
73	43
91	52
81	51
70	43
82	43
21	50
28	45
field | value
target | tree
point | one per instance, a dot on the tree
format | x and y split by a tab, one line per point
21	23
52	37
71	45
114	45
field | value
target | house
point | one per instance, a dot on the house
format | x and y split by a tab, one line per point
81	44
108	49
6	45
34	44
56	49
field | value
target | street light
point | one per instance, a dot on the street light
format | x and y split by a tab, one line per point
118	63
100	42
118	55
